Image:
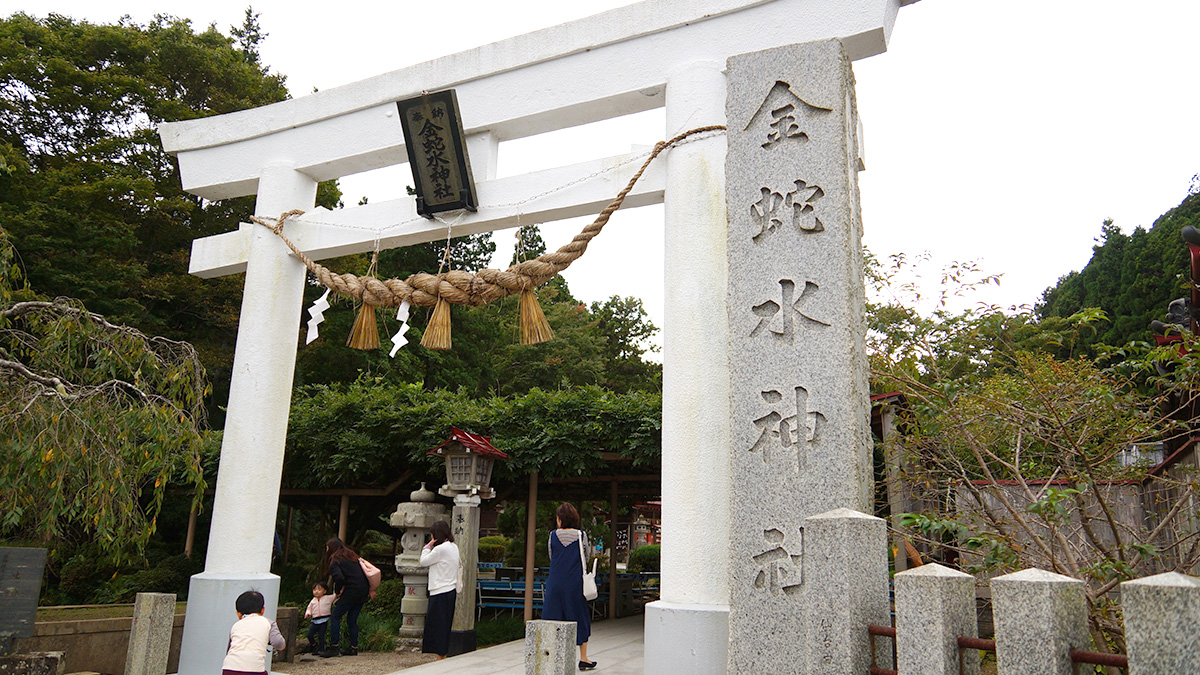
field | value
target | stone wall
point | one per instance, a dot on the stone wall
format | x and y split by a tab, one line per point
100	645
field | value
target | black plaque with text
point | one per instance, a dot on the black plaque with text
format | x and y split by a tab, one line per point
20	585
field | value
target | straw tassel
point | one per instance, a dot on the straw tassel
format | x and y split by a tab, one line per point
534	327
364	336
437	333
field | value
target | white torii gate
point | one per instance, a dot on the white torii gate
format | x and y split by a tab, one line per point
656	53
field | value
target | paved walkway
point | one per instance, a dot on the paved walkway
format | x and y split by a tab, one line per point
616	646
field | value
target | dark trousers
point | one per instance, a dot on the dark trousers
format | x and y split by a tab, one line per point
438	620
349	608
316	635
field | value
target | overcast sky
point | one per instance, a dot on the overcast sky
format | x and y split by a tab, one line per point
1000	132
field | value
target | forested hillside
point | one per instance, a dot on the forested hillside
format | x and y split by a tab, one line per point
1130	277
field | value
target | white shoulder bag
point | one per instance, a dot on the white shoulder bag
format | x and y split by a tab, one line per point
589	578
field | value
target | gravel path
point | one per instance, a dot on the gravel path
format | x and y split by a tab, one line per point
366	663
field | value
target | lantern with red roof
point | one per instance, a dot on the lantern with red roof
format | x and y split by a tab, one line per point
469	459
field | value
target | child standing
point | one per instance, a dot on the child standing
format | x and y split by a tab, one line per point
318	610
249	637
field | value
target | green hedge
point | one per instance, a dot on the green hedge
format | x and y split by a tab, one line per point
492	549
644	559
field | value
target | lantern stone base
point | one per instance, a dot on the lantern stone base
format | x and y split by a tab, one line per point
461	642
407	644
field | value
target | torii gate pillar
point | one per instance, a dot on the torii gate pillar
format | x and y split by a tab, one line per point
688	629
247	492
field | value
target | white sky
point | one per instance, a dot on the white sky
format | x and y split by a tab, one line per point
1002	132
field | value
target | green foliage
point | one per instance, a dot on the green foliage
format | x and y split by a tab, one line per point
1011	433
339	436
644	559
171	575
98	420
376	631
499	629
89	195
492	549
388	597
1131	278
514	556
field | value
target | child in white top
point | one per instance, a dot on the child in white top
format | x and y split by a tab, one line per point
318	610
249	637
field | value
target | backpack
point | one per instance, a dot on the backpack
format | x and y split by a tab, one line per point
373	576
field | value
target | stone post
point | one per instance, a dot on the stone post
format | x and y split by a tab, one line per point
934	606
1162	624
845	589
801	440
464	524
248	477
550	647
35	663
150	634
687	630
1039	617
414	518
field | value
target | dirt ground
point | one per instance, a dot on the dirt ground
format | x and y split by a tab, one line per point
365	663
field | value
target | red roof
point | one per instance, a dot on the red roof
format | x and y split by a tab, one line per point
473	442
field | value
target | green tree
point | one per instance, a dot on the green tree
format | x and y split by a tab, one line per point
97	420
626	328
249	36
91	199
1009	455
1131	278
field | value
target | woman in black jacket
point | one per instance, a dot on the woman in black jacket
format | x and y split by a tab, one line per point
351	587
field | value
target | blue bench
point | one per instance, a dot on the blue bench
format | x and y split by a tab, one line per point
509	594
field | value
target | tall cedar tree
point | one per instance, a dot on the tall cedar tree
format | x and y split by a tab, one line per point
1131	277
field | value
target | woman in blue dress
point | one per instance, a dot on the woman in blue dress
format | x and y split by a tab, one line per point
564	599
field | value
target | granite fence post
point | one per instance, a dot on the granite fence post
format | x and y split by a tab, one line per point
1162	624
934	606
1039	617
288	620
846	590
150	634
154	617
796	306
550	647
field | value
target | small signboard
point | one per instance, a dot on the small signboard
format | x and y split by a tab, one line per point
20	585
437	153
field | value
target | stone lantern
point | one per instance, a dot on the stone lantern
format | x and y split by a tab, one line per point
414	517
469	459
641	533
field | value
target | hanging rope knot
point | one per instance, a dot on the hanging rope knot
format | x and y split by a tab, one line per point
466	288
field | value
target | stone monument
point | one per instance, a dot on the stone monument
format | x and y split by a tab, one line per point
801	443
414	517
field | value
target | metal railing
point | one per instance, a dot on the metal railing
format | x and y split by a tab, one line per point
1077	656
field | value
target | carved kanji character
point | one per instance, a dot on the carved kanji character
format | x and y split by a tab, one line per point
780	571
792	433
770	308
